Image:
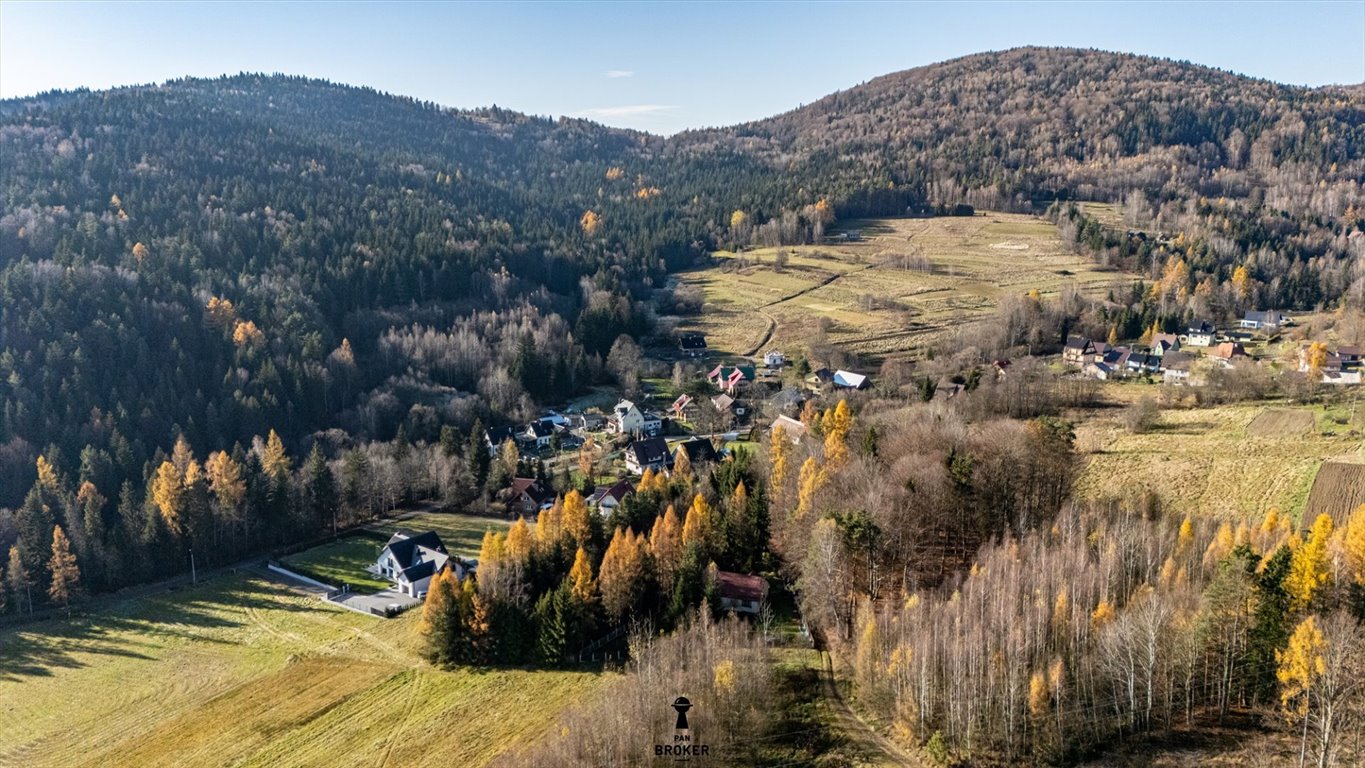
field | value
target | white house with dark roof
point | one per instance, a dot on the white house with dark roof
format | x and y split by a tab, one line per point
607	498
409	560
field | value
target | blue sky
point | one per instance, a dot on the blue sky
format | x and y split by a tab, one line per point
659	67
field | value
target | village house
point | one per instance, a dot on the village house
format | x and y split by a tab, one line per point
1077	351
1341	377
774	359
848	380
1350	356
649	453
792	429
787	401
409	560
679	406
607	498
818	378
627	419
539	434
1165	342
1176	368
1228	352
1199	334
495	437
1332	363
730	378
699	451
1268	321
1098	369
692	344
588	422
741	593
527	497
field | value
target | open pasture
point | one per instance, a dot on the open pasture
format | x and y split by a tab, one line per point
243	671
1231	462
905	282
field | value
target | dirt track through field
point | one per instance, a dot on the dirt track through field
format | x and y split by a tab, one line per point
772	321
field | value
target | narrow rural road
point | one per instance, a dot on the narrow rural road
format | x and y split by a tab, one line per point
772	321
859	730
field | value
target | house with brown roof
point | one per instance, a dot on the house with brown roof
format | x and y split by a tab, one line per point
741	592
527	497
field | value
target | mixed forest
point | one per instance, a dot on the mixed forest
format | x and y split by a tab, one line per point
237	313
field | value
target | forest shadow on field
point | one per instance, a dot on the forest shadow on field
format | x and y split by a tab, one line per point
130	627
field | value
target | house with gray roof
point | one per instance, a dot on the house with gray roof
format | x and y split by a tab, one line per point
409	560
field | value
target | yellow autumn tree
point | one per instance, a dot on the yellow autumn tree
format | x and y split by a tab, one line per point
274	459
738	219
47	474
614	173
550	525
577	518
219	313
246	334
1309	569
168	493
139	252
824	211
1315	360
226	482
519	540
66	576
1038	694
700	524
682	465
621	575
666	545
779	448
1241	282
1299	666
1353	545
582	586
812	477
836	425
1102	615
591	223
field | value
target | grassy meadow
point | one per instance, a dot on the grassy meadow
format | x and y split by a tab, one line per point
242	671
1232	462
905	282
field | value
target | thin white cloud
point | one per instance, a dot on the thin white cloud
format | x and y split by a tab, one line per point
618	73
628	110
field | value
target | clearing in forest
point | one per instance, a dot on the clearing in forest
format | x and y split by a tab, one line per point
243	671
902	284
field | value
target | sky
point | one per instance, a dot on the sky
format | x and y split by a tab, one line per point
660	67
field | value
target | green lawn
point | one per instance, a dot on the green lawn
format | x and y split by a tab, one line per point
242	671
344	560
341	562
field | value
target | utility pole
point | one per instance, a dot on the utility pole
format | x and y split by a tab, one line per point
194	576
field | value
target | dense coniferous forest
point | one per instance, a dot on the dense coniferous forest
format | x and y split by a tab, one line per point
264	266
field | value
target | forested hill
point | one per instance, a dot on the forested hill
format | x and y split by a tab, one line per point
218	258
1038	122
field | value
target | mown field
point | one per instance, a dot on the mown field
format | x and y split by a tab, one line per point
906	282
343	561
1231	462
242	671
